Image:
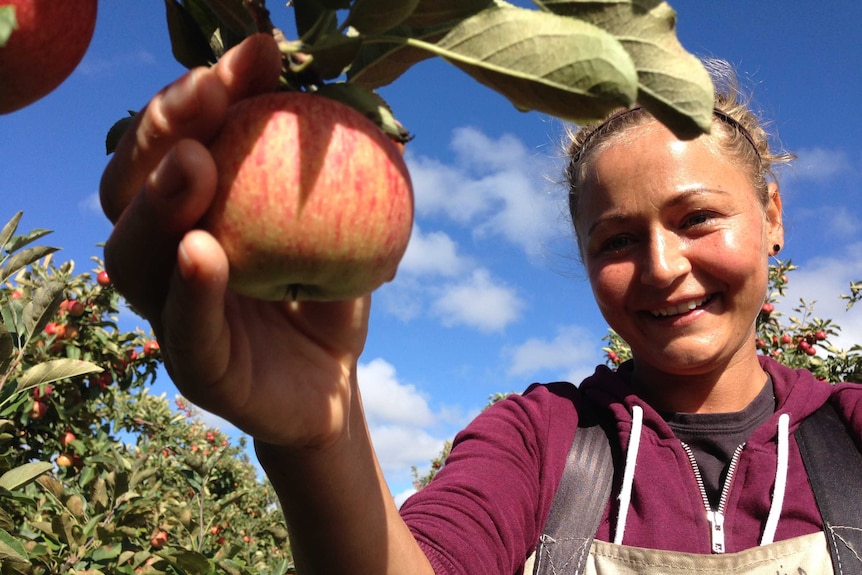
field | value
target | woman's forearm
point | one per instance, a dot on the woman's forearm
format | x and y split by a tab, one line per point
340	514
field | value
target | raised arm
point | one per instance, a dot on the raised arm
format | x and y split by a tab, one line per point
284	372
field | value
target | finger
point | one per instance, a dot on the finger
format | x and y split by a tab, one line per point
141	252
192	107
251	68
193	326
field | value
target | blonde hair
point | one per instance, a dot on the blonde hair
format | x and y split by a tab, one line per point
737	131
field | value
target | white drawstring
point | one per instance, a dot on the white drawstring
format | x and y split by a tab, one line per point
625	496
780	481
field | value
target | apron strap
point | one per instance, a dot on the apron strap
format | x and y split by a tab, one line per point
578	504
834	467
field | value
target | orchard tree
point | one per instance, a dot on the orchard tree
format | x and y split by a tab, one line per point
98	474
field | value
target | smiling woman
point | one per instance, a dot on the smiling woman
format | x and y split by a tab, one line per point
675	236
676	252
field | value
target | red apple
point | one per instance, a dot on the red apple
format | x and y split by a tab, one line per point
76	308
103	279
67	438
39	409
48	44
159	540
151	348
314	200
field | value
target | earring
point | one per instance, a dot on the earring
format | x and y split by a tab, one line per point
776	248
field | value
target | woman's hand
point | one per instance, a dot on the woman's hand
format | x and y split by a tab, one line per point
283	372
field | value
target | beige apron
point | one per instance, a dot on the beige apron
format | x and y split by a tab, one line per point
805	555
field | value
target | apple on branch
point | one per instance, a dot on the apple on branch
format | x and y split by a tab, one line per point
314	200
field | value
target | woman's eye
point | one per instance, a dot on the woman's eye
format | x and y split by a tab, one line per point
616	243
697	219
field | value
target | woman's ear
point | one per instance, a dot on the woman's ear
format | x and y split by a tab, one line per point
774	222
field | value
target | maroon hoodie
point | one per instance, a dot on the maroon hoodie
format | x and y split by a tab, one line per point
484	511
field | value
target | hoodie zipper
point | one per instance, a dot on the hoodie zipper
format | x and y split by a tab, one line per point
715	517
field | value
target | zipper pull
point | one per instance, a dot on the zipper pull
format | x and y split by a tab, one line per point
716	522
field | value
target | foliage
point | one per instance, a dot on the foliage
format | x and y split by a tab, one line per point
97	474
800	340
573	59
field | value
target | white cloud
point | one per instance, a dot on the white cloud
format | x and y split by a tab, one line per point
833	221
570	355
387	400
95	66
496	188
478	302
402	496
822	281
434	253
91	204
821	164
401	423
398	447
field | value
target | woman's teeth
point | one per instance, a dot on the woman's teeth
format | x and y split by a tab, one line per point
679	309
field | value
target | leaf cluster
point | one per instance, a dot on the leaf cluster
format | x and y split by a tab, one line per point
573	59
97	474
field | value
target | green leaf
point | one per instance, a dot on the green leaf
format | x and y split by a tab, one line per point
55	370
314	20
673	85
333	53
115	133
105	553
9	229
541	61
8	23
377	16
24	474
221	37
189	44
368	104
18	242
378	64
233	16
7	349
435	12
190	562
24	258
39	310
327	4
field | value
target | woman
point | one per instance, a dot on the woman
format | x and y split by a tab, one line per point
675	237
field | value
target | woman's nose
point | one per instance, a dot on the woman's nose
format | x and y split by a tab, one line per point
665	259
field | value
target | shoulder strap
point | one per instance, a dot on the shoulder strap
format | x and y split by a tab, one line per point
578	504
834	467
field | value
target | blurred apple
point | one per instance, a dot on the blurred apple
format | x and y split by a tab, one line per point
48	43
314	200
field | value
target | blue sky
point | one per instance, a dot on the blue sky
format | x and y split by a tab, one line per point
490	295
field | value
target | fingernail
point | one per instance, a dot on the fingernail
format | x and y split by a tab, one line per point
184	263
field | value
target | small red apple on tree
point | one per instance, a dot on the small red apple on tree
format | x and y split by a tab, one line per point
47	42
103	279
159	540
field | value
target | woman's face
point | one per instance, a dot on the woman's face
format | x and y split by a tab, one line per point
676	246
